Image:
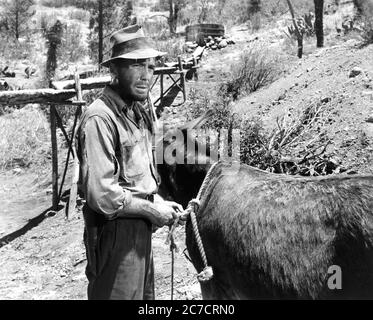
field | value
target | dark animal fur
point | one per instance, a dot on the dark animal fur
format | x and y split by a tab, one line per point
275	236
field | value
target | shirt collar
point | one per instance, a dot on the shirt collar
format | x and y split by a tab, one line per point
117	103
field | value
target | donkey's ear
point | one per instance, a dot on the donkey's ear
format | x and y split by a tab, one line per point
197	123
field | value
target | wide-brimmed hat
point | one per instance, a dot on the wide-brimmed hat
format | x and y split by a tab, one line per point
131	43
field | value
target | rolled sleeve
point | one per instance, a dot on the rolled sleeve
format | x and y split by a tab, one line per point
100	169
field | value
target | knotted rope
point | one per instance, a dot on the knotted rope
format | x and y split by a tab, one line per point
192	208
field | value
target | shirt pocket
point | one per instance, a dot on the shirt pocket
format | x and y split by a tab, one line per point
133	159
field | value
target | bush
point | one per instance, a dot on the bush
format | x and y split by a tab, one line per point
156	29
256	68
74	45
25	138
173	46
367	20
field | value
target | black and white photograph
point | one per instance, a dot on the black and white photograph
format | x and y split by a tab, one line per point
186	150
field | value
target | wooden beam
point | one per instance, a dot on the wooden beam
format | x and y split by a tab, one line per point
86	84
19	97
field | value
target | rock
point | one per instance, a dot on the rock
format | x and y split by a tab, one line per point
214	47
223	44
367	128
17	170
355	72
325	99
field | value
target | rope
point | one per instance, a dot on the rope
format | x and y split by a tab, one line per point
193	206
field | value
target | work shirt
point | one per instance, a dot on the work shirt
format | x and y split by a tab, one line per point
115	154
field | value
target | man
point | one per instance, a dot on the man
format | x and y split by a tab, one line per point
118	176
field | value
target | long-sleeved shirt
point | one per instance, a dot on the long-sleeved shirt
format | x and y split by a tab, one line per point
115	154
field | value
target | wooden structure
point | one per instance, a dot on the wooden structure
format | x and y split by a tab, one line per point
63	92
203	30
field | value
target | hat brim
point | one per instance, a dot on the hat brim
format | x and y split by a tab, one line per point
136	54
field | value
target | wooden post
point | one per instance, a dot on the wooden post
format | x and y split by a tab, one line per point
75	178
54	158
182	77
195	65
161	83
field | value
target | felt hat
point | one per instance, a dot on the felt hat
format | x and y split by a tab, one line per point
131	43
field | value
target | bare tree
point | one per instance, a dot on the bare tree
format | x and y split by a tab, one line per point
174	8
319	29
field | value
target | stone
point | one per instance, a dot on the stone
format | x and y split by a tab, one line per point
355	72
325	99
223	43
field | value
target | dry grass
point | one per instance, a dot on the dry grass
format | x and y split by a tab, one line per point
25	138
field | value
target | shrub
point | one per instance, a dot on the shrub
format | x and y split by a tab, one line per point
73	46
292	147
367	20
256	68
156	29
173	46
25	138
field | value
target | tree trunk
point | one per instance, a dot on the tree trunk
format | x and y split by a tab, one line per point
100	33
172	19
319	29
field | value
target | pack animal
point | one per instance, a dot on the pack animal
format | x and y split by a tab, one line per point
276	236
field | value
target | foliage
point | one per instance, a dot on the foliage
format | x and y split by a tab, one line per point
366	16
53	36
25	138
73	48
82	4
16	14
116	14
256	68
293	147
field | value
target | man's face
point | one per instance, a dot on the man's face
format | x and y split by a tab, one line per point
134	78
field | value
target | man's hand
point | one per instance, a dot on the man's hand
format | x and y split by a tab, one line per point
179	211
167	212
160	213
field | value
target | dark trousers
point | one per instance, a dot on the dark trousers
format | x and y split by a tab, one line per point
119	258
